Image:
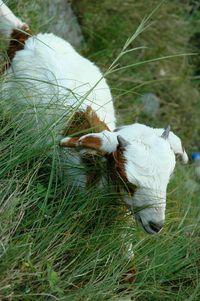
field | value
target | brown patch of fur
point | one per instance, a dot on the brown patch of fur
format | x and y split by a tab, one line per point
96	124
72	142
120	162
117	170
85	122
88	142
91	142
17	42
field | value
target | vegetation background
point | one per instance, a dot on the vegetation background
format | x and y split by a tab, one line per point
62	244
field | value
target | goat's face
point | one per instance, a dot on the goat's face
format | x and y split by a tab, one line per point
148	162
144	159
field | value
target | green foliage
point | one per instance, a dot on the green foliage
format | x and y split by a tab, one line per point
61	243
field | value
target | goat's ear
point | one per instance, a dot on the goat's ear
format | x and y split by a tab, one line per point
103	143
175	143
177	147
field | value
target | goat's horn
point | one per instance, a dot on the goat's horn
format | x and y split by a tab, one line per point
165	134
122	142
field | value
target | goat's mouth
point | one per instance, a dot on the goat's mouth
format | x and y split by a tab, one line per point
150	228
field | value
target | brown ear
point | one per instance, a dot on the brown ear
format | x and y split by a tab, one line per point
90	142
69	142
104	142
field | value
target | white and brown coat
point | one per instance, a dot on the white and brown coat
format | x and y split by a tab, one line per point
142	158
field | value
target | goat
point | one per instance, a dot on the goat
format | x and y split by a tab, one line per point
141	158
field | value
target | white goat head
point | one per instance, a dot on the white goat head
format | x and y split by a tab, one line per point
142	159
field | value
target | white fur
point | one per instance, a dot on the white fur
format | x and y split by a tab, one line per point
50	69
8	21
149	163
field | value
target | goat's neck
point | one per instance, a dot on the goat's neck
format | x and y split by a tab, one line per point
84	122
105	171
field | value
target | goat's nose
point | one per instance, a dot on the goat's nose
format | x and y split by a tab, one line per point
156	227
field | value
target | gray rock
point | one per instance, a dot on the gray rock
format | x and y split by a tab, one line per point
151	104
61	20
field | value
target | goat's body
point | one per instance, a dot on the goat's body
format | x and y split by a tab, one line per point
52	70
46	72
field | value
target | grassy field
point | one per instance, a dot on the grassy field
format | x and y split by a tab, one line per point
58	243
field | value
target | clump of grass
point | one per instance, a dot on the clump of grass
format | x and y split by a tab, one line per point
62	243
57	240
67	244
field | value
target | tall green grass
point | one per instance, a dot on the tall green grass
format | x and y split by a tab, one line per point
58	242
63	243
